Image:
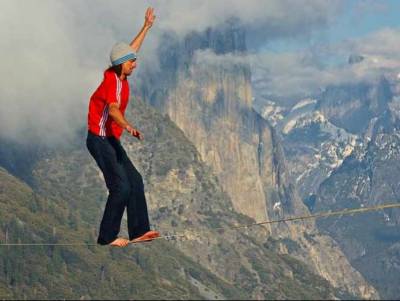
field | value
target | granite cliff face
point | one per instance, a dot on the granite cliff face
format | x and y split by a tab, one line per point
206	91
211	103
216	115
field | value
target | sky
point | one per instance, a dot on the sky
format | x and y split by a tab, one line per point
54	51
356	18
362	17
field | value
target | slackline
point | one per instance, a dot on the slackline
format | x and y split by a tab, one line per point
221	229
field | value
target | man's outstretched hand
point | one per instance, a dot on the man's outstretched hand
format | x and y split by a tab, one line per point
149	17
134	132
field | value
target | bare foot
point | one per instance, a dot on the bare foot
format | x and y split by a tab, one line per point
120	242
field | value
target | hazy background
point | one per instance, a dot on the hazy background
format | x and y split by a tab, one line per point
54	52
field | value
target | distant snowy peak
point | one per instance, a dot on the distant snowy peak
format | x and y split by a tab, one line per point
277	114
303	103
304	120
337	136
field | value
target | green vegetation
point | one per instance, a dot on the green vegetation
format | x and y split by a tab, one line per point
148	271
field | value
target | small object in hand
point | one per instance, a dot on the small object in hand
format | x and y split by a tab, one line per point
134	132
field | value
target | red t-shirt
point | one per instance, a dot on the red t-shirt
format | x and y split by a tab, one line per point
111	90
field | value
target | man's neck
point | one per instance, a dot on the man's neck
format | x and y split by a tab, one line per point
122	77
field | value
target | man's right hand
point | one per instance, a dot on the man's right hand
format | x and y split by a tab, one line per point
134	132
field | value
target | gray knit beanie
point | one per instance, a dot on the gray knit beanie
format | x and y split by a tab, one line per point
121	52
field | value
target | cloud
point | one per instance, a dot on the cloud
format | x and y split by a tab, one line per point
264	19
303	73
283	75
384	42
44	76
54	52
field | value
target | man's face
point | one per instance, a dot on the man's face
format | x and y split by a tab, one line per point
128	66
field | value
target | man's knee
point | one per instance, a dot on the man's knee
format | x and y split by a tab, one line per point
137	184
125	189
135	177
122	188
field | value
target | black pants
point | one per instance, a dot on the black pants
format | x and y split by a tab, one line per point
125	187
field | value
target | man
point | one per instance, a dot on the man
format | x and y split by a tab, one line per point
106	123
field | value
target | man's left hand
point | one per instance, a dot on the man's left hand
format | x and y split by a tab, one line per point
134	132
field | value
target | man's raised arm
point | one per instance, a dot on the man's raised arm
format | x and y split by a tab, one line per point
148	22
